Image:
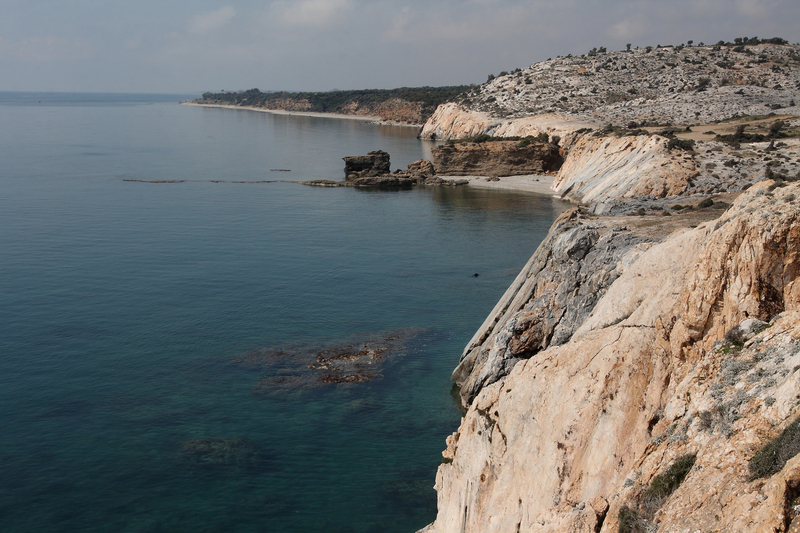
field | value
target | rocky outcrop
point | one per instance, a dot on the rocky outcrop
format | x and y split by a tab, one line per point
453	121
375	163
572	435
552	295
598	169
496	158
418	173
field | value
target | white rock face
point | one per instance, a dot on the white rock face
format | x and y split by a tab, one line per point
452	121
598	169
580	430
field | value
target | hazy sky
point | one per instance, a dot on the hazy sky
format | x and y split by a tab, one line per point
205	45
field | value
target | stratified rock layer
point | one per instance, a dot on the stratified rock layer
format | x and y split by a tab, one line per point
575	432
495	158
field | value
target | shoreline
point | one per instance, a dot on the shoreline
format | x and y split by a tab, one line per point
370	119
531	183
535	183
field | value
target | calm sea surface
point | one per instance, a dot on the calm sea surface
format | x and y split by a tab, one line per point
156	338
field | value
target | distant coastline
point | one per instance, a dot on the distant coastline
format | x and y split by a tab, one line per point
363	118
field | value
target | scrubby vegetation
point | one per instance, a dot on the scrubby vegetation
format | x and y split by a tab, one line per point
665	484
680	144
776	130
773	457
658	83
638	518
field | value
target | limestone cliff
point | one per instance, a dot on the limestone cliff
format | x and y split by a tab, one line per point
599	169
600	378
452	121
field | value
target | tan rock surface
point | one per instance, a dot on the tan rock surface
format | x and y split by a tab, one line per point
645	380
496	158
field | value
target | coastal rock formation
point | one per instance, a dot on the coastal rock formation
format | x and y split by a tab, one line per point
452	121
603	168
552	295
496	158
571	437
418	173
375	163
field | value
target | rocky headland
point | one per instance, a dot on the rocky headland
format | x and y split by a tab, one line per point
405	105
642	373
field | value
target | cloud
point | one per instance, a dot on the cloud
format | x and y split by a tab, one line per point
133	44
485	21
310	13
754	8
399	27
211	20
47	49
628	28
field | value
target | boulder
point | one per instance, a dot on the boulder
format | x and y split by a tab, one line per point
375	163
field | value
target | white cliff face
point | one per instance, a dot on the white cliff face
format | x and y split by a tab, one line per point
579	430
452	121
600	168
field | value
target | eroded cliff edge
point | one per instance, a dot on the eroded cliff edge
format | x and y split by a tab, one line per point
607	360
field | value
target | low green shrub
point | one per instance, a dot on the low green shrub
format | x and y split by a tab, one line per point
681	144
629	521
665	484
708	202
639	517
771	459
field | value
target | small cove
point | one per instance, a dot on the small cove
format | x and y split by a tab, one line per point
126	308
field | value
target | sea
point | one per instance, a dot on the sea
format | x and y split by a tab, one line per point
191	341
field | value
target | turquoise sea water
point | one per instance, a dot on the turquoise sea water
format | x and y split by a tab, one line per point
155	338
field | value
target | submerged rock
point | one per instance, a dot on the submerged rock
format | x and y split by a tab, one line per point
237	452
294	367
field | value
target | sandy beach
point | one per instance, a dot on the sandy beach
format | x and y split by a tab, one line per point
362	118
537	183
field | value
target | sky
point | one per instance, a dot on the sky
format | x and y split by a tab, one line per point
181	46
